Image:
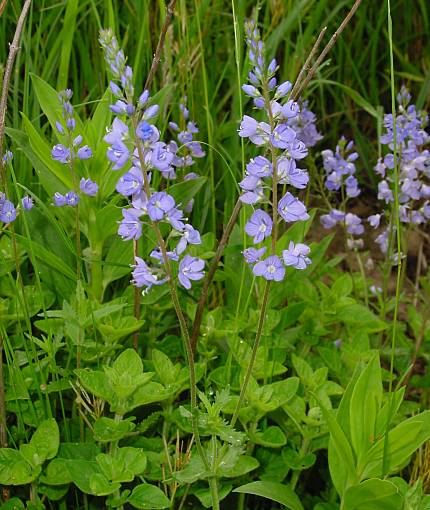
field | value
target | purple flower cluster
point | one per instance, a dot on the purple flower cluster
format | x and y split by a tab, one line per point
66	154
135	145
413	161
8	211
340	168
282	135
184	148
340	176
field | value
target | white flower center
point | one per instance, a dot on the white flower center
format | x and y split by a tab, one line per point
271	269
262	228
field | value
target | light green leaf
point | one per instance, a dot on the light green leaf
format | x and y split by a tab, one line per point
148	496
373	494
274	491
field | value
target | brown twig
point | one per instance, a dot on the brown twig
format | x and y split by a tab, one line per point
326	49
13	50
157	55
308	61
295	93
155	62
209	277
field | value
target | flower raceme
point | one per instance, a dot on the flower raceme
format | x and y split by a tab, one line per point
67	154
137	151
284	134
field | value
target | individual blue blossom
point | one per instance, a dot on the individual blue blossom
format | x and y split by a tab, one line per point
176	218
88	187
143	276
84	152
148	133
259	167
253	255
353	224
158	255
289	173
161	157
159	204
282	136
72	198
291	209
61	153
131	182
27	203
374	220
7	157
190	268
7	211
189	236
384	192
119	154
59	199
297	255
271	268
130	227
283	89
259	226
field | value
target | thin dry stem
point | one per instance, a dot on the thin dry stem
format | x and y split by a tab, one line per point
157	55
13	50
211	273
326	49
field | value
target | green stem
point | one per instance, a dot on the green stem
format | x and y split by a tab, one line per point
385	461
213	485
178	310
253	354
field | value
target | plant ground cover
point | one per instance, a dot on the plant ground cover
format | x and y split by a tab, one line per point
215	294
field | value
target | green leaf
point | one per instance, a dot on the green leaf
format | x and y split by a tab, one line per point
271	437
14	470
13	504
355	96
373	494
107	429
183	192
364	408
403	440
205	498
96	382
244	465
46	439
148	496
274	491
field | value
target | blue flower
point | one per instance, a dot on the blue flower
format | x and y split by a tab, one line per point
7	211
130	227
27	203
271	268
88	187
119	154
131	182
296	255
259	226
190	268
60	153
72	198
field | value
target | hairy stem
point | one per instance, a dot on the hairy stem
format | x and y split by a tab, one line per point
253	354
178	309
211	273
301	86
